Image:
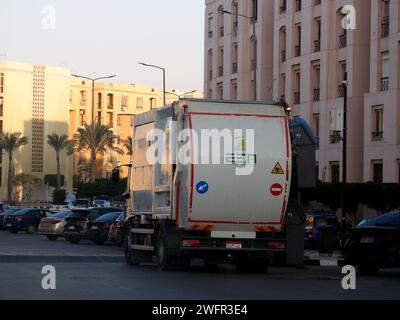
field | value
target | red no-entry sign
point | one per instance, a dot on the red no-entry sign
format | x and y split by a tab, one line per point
276	189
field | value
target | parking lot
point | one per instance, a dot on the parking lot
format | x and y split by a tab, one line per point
86	271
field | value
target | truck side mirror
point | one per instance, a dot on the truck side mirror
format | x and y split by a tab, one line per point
115	175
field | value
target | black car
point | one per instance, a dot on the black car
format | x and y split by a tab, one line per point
2	216
25	220
79	221
374	244
99	228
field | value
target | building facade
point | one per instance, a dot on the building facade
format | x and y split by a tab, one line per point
233	52
381	109
34	101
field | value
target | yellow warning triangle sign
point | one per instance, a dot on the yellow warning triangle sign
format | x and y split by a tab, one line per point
278	169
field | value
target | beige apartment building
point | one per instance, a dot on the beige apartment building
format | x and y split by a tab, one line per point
34	101
382	102
230	46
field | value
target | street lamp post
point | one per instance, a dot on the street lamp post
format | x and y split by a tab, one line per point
181	95
344	161
163	71
254	66
93	81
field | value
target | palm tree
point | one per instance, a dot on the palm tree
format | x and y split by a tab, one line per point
11	142
96	138
128	146
58	143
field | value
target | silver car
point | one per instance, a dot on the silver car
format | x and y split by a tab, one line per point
53	226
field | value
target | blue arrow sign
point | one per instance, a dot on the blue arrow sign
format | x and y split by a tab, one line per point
202	187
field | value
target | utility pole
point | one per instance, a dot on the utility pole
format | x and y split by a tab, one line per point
163	71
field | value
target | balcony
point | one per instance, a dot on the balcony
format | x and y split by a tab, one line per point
341	91
343	41
221	31
298	5
377	136
234	67
297	51
283	57
317	45
316	94
385	84
335	137
385	27
296	98
220	71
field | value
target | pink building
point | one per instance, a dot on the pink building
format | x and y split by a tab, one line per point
229	49
381	110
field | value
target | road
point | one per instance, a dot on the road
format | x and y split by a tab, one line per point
86	271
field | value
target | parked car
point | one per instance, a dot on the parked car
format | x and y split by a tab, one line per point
99	228
322	232
79	221
27	219
374	244
4	207
2	216
101	203
53	227
116	232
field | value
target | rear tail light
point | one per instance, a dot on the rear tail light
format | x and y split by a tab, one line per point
276	245
191	243
19	219
55	222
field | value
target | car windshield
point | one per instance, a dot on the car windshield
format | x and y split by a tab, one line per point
78	214
108	217
62	215
389	219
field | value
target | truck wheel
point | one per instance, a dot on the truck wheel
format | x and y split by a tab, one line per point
129	253
250	265
31	229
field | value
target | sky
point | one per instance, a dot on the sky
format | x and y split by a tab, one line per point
105	37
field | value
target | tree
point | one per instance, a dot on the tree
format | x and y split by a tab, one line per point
26	182
58	143
11	142
128	146
96	138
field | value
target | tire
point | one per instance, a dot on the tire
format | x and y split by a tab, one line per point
31	229
74	240
129	253
368	270
14	231
166	261
250	265
52	238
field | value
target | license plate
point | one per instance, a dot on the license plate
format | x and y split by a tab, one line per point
71	228
367	240
234	245
95	227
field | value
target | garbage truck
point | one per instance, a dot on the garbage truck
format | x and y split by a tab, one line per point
217	180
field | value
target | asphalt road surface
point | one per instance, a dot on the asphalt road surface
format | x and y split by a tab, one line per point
86	271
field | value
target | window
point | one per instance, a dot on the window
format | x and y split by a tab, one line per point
99	117
220	91
139	103
124	102
210	64
297	4
385	60
336	125
1	106
110	101
283	44
335	172
235	58
221	21
283	6
253	62
234	90
254	9
99	100
1	126
342	76
385	18
210	27
316	79
1	82
342	39
83	98
153	103
377	171
283	87
296	85
317	42
221	62
118	121
235	17
316	128
297	47
377	124
82	117
110	119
